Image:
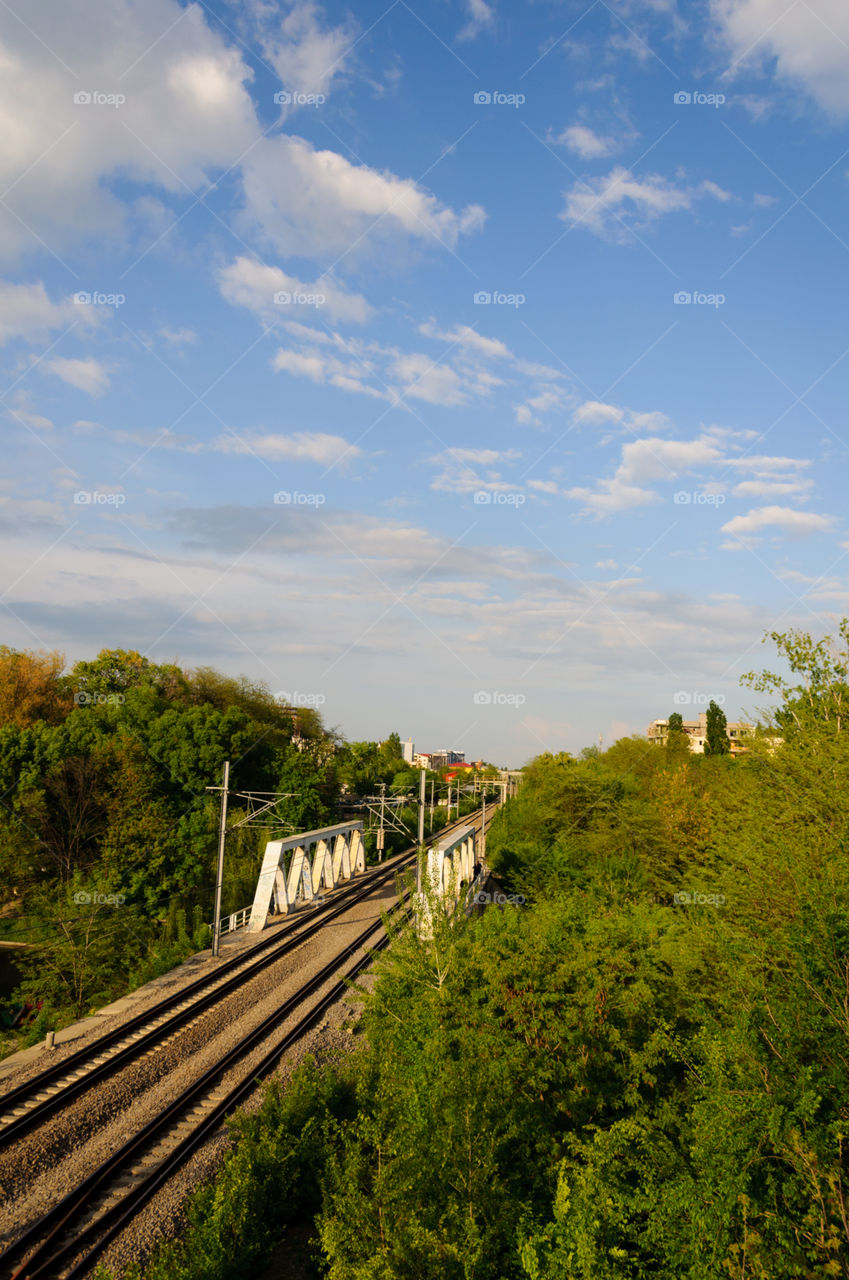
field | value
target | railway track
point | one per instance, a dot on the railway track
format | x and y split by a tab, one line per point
33	1101
65	1241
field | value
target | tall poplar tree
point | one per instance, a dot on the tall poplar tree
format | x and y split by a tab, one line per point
716	740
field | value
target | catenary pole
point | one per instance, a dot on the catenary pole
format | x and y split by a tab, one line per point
422	784
219	875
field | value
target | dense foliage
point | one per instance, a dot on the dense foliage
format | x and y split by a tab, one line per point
644	1072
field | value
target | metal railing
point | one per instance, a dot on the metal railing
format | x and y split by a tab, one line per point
236	920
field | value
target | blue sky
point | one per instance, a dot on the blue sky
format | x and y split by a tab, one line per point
474	370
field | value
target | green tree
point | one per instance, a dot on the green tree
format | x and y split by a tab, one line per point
114	671
391	749
677	744
716	738
821	695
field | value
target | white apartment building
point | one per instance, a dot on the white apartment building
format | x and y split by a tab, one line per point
696	731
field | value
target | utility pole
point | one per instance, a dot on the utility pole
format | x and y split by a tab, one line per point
219	875
422	783
380	832
420	841
431	804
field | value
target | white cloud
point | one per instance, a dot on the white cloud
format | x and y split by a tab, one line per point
767	463
657	459
323	366
543	402
179	337
731	434
607	206
786	518
424	380
88	375
482	457
305	55
316	202
454	377
300	446
585	143
460	470
652	421
168	65
302	365
481	16
186	117
550	398
809	42
248	283
654	459
611	496
463	335
708	188
27	312
596	413
22	412
305	333
771	488
641	461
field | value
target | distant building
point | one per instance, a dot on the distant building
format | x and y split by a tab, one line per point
407	751
438	759
696	731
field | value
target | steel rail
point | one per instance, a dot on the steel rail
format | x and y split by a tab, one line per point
52	1251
